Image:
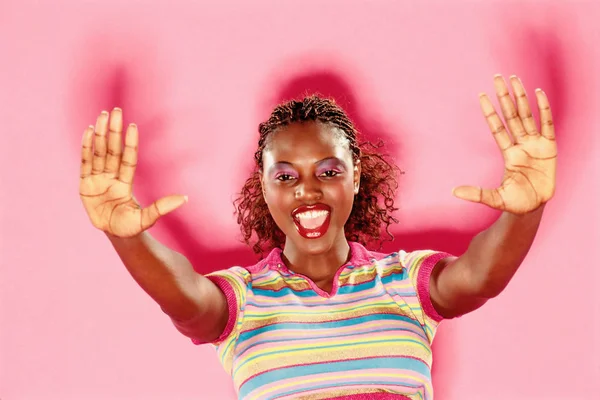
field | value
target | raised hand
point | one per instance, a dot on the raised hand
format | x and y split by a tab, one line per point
107	172
529	153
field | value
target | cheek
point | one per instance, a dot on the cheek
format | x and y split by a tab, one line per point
278	199
342	194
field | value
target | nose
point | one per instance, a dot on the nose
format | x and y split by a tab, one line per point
308	191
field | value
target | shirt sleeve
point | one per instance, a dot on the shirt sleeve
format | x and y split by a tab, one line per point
419	266
234	283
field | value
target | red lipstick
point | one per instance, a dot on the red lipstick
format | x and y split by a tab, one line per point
312	221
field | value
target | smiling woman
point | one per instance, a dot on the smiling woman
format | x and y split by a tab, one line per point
307	167
317	132
322	317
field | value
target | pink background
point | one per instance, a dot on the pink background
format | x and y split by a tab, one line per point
197	78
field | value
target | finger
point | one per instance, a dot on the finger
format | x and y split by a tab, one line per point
130	155
115	147
489	197
547	124
523	106
495	123
87	150
511	116
161	208
99	158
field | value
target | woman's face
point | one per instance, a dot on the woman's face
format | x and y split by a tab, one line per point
309	181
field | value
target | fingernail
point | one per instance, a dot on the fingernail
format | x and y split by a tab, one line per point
117	109
185	198
104	112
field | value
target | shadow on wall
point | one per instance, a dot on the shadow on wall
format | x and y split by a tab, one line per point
114	90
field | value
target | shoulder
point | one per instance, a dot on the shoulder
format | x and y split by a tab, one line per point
251	272
421	259
409	260
383	263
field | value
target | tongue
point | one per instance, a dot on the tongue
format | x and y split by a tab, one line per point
313	223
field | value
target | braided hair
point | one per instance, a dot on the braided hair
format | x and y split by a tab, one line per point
373	205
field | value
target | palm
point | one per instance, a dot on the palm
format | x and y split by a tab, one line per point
529	175
110	205
529	156
107	172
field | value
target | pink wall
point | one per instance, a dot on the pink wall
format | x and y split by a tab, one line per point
197	78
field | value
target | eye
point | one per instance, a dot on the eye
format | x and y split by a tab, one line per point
284	177
330	173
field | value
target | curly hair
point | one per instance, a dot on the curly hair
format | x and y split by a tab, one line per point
373	205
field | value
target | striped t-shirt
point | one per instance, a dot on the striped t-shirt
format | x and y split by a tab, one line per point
370	338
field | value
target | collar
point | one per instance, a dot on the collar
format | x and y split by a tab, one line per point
359	255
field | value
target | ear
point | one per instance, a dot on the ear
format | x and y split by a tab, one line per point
357	171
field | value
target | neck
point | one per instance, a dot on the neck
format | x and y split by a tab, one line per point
318	266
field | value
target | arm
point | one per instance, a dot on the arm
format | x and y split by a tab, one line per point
463	284
196	305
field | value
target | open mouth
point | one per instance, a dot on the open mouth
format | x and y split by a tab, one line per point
312	222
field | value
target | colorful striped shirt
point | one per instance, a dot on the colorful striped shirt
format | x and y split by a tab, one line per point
370	338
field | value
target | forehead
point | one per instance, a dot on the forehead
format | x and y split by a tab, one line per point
306	142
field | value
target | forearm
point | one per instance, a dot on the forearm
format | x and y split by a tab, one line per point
494	255
166	275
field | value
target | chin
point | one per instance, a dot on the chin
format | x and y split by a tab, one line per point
315	246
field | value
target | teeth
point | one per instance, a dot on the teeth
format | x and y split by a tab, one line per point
312	214
312	219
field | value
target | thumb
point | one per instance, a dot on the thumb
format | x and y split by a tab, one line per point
489	197
162	207
468	193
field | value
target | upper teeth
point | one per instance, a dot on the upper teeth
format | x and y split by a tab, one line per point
312	214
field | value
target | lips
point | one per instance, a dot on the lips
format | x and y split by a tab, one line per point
312	221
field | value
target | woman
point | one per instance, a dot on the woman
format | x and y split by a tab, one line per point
320	316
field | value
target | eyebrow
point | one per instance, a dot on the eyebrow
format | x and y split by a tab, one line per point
287	163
